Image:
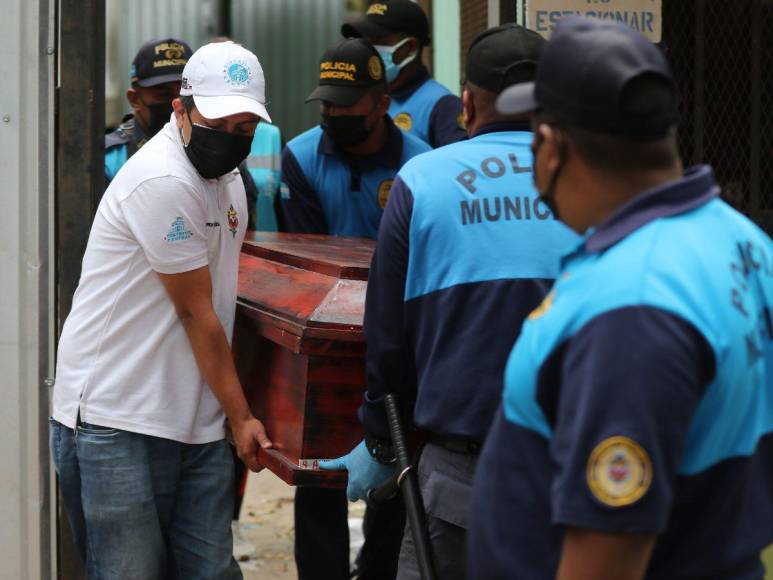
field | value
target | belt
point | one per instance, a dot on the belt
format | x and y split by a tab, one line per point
456	444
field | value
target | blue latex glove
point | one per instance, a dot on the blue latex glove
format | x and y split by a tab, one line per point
364	471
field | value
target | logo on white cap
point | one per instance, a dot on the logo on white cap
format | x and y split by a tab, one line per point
237	73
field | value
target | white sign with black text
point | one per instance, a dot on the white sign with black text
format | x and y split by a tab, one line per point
646	16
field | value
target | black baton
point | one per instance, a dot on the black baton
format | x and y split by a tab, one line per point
409	485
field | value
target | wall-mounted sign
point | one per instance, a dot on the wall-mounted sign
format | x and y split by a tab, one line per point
646	16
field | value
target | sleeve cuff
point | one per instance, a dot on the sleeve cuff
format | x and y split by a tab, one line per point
180	266
372	415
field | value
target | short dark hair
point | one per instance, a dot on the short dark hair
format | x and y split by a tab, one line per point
618	154
188	102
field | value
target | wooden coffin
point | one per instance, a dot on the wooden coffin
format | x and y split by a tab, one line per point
300	349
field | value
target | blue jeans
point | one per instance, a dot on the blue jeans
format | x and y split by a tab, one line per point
146	508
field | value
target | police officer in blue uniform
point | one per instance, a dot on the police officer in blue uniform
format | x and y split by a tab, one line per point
420	105
635	438
465	252
156	74
336	180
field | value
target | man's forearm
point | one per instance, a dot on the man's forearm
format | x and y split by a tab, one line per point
593	555
213	355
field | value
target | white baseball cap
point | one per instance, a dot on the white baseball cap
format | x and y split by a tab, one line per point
224	79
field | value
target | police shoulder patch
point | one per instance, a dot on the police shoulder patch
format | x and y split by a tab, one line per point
383	192
544	306
619	471
404	121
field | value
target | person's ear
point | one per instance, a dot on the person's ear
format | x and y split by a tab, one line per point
406	50
383	105
551	148
468	108
133	96
179	112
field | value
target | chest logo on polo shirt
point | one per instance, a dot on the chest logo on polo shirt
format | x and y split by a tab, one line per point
178	232
404	121
383	192
233	220
619	471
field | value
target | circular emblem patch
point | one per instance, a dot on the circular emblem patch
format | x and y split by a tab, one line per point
237	73
619	471
404	121
383	192
374	68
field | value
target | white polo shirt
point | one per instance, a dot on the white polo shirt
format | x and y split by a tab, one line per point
124	358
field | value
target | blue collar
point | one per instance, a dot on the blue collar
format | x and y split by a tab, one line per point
390	155
501	127
696	188
412	85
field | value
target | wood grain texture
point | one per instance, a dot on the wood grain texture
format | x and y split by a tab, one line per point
299	347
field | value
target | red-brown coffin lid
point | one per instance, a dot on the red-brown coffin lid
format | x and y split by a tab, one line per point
310	286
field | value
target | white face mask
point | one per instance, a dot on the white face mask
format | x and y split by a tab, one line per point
391	70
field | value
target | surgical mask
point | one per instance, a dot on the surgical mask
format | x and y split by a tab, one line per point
215	153
547	197
391	70
159	116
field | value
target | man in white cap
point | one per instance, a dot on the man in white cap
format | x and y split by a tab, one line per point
145	379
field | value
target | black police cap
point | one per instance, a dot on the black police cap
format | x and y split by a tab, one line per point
347	71
590	76
160	61
390	17
503	56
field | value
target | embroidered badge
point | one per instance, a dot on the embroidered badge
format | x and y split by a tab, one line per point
374	68
236	73
460	121
404	121
233	220
619	471
178	233
379	8
542	309
383	192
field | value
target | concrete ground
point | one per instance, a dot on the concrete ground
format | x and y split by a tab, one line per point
263	540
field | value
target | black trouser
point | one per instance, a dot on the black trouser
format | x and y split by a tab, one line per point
322	536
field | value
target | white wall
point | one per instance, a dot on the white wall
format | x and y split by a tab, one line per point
26	299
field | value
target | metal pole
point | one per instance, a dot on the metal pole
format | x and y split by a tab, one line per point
80	130
80	174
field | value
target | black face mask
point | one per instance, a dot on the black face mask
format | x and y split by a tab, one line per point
159	116
547	197
346	130
215	153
